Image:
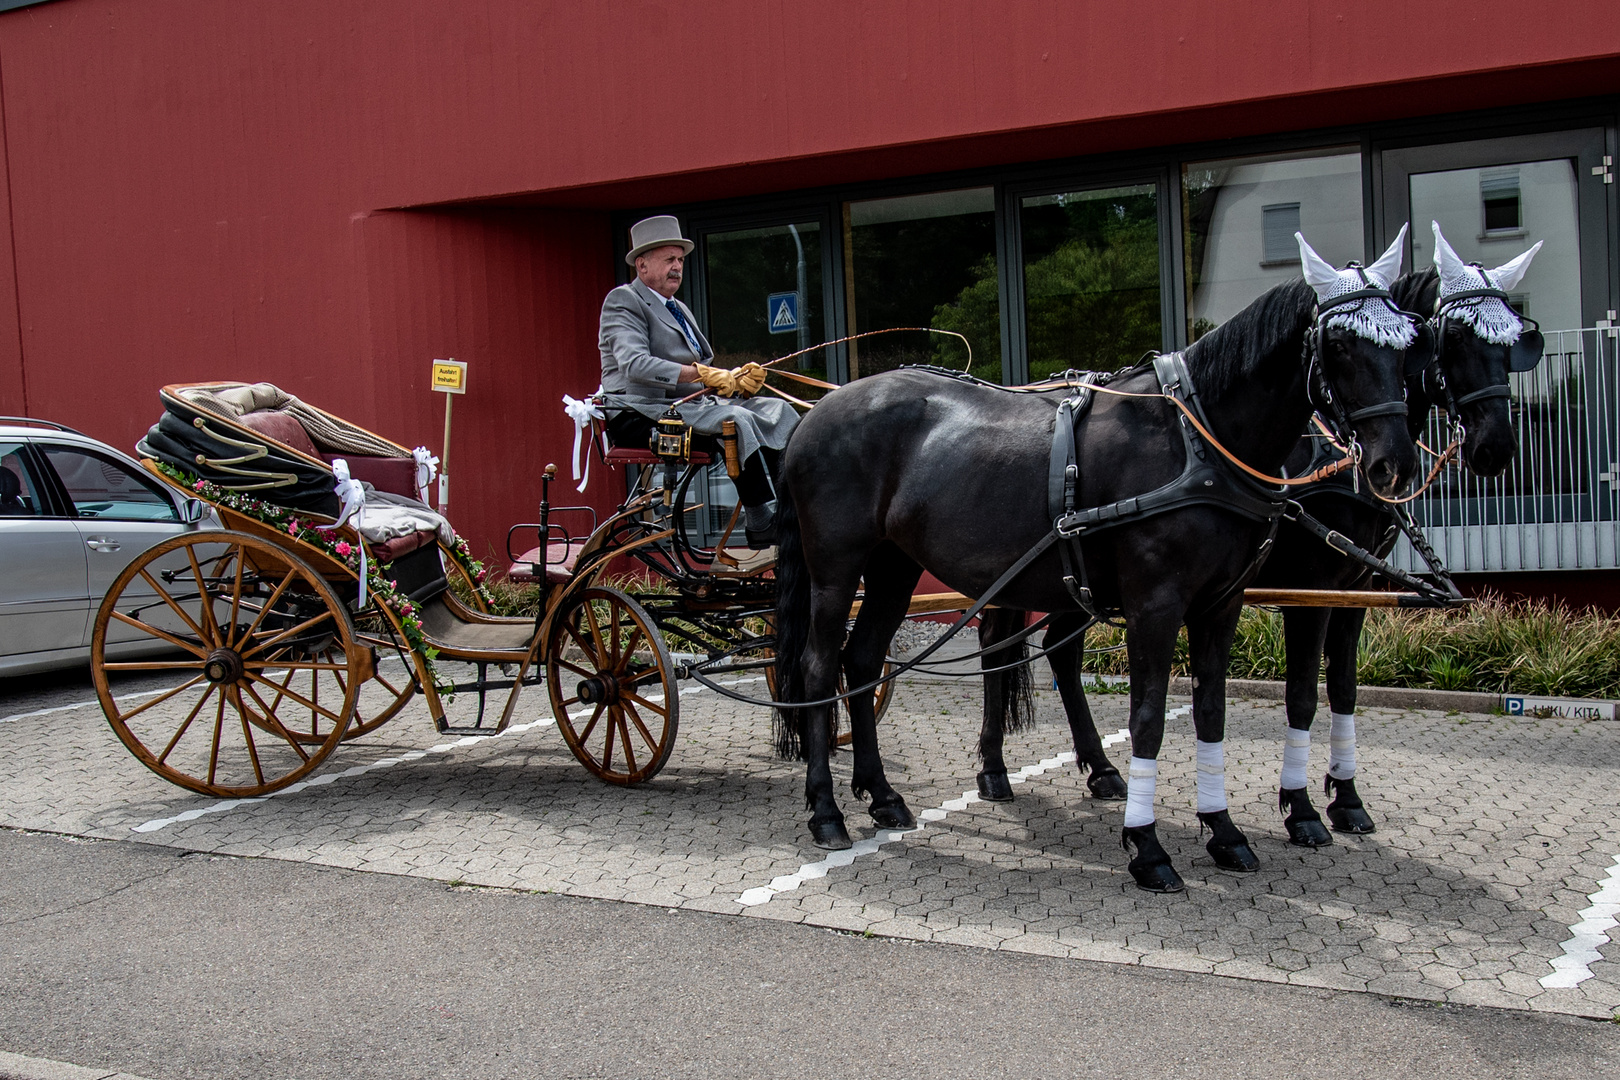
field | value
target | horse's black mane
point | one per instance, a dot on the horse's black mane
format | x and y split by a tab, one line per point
1233	350
1417	292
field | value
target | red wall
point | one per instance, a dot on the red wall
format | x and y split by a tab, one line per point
203	190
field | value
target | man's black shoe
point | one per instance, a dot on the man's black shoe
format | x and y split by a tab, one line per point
764	538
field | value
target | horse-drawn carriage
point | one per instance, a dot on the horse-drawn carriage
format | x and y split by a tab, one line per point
333	596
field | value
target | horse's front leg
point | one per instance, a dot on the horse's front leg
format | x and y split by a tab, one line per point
890	579
829	613
1067	660
1304	630
1209	641
1345	812
1151	644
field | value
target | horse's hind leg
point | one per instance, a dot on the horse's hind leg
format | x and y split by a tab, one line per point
1209	643
890	578
1304	630
1003	691
1104	779
829	614
1345	812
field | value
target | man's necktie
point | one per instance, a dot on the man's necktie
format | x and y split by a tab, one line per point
686	327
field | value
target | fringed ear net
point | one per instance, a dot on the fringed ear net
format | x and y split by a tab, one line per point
1321	274
1488	317
1388	266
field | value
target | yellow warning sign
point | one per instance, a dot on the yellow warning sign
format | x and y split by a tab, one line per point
450	376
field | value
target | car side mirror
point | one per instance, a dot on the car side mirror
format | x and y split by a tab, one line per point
193	510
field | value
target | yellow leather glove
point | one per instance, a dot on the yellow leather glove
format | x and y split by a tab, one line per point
723	381
750	377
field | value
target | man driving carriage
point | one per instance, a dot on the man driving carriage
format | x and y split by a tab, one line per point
653	354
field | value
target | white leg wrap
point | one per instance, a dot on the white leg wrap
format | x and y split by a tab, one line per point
1342	746
1139	789
1211	777
1296	759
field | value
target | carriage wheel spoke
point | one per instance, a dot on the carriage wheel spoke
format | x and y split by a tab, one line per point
207	605
611	728
616	658
247	733
192	715
269	716
179	642
587	652
647	736
299	698
576	669
219	724
300	628
176	608
629	648
596	715
661	710
153	665
264	609
236	598
596	635
291	665
124	717
624	744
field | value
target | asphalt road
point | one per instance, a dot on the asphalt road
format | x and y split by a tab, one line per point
168	964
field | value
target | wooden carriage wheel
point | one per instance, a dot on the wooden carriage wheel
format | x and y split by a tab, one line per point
607	665
259	642
882	696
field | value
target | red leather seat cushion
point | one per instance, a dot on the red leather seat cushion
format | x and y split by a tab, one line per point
621	456
560	560
395	475
390	550
280	426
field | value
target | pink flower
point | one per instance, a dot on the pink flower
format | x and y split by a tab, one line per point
292	527
480	573
406	609
344	547
199	485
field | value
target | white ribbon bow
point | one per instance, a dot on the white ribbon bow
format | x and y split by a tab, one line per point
427	467
352	494
582	413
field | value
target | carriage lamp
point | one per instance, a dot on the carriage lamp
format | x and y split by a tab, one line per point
671	443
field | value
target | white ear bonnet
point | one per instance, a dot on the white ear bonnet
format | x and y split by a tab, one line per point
1487	316
1372	318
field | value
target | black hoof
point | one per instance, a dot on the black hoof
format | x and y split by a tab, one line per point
830	835
1227	845
895	815
994	787
1108	786
1151	867
1304	824
1345	811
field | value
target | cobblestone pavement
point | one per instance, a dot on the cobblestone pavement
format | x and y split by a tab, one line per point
1496	836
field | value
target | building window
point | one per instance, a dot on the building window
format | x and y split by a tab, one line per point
1235	215
1091	278
924	261
1499	196
744	270
1278	224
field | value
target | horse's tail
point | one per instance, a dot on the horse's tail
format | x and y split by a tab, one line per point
1009	696
792	623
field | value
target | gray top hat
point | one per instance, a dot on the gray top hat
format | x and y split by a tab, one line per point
656	232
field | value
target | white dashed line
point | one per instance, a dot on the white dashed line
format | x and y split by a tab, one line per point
1589	935
82	705
382	763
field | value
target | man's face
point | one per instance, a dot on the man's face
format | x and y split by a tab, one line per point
660	269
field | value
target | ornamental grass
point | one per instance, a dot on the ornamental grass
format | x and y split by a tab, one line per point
1492	646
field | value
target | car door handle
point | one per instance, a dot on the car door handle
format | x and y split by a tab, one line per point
101	543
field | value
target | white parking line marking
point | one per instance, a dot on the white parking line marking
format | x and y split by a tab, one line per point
82	705
382	763
1589	935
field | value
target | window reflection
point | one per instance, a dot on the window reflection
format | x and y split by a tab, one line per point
923	261
744	269
1091	278
1241	215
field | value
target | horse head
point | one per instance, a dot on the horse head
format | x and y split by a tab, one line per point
1478	340
1356	362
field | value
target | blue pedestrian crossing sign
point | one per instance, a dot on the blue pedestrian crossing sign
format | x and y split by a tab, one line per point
782	312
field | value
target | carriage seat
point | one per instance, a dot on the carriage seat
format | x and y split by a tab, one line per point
620	455
395	475
389	550
559	563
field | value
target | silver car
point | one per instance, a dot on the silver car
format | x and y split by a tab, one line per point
73	513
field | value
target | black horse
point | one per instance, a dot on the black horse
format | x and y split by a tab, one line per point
912	469
1467	378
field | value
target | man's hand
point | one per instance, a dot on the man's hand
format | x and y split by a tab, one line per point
750	377
722	381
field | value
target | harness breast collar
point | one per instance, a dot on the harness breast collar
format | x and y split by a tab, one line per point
1206	479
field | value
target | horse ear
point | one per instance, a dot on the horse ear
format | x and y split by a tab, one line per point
1318	271
1388	266
1453	271
1510	274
